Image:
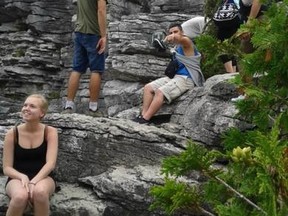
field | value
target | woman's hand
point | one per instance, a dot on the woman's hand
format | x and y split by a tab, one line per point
25	182
31	189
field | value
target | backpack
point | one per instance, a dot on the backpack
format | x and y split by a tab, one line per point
227	15
172	67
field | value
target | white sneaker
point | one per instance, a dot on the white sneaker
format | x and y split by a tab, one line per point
239	98
258	75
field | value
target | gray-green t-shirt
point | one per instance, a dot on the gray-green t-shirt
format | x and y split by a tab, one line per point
87	18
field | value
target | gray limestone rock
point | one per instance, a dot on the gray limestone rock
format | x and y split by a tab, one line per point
106	165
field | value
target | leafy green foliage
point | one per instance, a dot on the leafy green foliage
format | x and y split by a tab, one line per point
196	157
255	181
211	48
175	195
208	46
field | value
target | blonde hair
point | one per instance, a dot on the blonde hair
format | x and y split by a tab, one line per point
44	102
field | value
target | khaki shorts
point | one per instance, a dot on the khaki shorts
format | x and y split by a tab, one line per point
172	88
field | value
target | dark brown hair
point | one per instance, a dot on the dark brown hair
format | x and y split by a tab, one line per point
178	25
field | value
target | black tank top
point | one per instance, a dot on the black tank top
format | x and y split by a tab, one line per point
29	161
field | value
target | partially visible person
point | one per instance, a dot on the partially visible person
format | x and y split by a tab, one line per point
194	27
29	157
249	9
188	75
89	46
226	32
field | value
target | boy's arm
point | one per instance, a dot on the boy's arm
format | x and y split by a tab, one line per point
102	22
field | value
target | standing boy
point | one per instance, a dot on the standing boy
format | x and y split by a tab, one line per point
89	46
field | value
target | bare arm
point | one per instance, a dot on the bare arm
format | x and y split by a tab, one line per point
186	43
51	155
256	5
102	22
255	8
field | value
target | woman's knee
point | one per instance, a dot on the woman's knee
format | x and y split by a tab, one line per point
40	195
19	199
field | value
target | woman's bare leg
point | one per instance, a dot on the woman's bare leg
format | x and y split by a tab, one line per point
41	195
18	198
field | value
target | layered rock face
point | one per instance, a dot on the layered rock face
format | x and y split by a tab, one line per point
106	165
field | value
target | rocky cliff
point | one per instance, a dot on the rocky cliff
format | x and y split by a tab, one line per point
106	165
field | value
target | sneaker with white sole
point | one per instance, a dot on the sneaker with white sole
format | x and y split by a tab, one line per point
159	45
239	98
139	119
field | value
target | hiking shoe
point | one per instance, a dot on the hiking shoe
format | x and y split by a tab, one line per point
159	34
159	45
157	40
139	119
68	110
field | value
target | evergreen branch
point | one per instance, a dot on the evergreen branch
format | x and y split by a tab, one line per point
206	212
240	195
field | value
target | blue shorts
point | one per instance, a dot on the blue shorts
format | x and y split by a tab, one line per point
86	55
